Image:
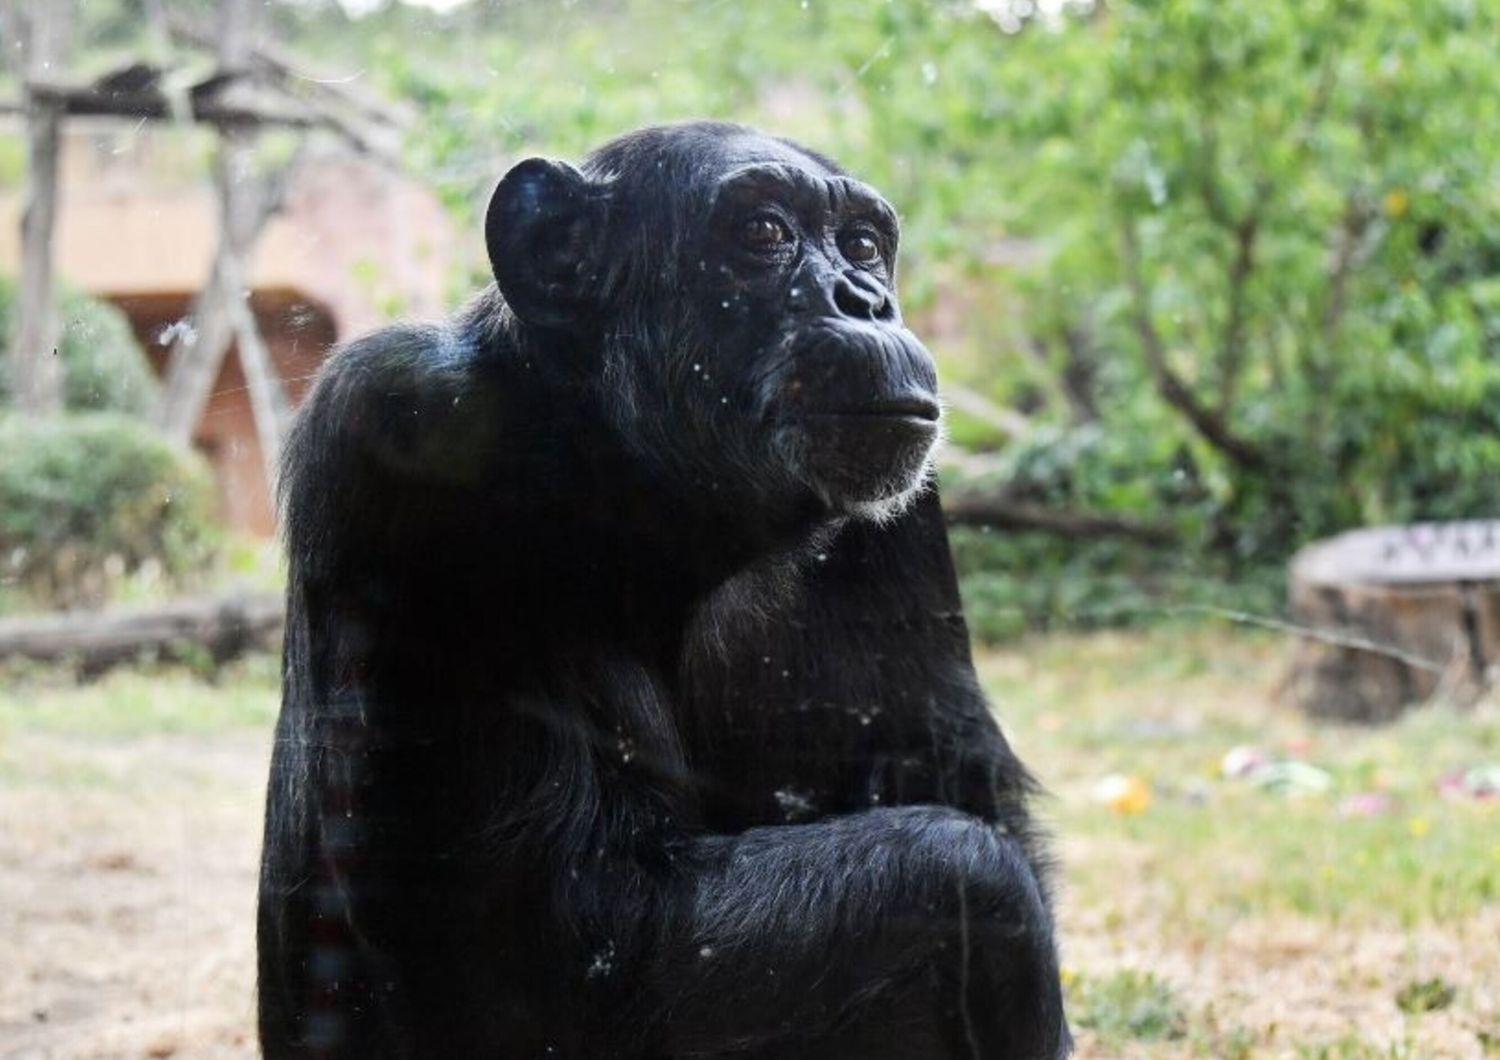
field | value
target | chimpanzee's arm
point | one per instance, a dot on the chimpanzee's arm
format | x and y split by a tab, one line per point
913	932
907	932
384	450
862	693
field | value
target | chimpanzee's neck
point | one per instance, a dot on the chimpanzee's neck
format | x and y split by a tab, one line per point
633	545
658	553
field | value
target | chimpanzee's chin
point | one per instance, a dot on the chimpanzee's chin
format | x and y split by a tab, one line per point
862	464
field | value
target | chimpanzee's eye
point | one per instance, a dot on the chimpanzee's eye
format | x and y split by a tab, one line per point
764	234
859	247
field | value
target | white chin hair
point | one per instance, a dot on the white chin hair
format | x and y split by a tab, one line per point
888	509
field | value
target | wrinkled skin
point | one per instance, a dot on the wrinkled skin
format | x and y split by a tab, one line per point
628	708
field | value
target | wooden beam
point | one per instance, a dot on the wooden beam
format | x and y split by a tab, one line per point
267	57
268	402
36	369
82	102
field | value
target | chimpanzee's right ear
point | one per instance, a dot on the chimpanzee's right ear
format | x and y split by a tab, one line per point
542	230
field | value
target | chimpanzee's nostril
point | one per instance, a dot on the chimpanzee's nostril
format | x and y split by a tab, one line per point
861	300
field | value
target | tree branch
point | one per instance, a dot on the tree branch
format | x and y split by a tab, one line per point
981	510
1232	346
1351	249
972	403
1174	390
1075	379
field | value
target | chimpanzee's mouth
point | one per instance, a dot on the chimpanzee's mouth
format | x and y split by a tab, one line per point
864	377
917	407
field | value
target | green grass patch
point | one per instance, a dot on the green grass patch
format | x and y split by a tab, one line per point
1353	1047
1425	995
1129	1005
1167	705
130	703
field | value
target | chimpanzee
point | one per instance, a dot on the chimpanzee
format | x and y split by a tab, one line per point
628	707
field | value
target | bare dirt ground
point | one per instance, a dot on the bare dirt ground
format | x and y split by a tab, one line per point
127	884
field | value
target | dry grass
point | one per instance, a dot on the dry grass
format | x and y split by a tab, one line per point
1224	921
1269	925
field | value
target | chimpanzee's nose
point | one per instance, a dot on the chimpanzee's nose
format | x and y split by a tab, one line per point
860	297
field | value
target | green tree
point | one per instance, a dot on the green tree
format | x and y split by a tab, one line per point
1272	231
1236	266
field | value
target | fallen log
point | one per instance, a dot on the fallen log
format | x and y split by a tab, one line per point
222	627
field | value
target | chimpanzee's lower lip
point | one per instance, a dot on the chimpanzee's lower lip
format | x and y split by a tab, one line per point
912	408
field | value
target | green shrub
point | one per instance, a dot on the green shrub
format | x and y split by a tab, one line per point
87	500
104	367
1015	582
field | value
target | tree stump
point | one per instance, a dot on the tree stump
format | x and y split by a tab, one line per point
1397	616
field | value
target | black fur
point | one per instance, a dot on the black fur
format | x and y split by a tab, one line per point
628	707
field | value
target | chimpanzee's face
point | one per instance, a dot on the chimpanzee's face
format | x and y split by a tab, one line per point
739	293
795	274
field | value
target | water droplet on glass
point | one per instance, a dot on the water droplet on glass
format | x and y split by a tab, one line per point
182	329
603	963
794	804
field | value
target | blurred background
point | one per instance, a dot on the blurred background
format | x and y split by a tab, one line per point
1215	292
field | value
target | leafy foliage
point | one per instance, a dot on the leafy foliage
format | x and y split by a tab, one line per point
105	369
1237	264
1282	235
1259	245
86	500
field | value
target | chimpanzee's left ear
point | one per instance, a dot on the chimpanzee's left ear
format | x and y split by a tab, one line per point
542	231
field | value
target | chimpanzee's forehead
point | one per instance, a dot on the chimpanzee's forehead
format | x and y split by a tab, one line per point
749	148
697	148
708	162
751	164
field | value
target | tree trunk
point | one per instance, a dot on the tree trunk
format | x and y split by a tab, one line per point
1396	616
36	369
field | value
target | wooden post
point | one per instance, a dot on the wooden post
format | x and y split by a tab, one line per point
220	313
198	352
36	369
268	402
